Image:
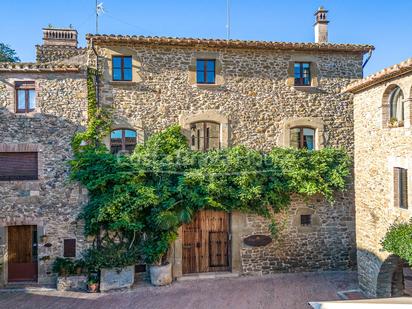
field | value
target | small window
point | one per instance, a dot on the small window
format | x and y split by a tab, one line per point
123	140
302	138
18	166
205	71
305	220
205	136
69	248
122	68
25	97
401	187
396	105
302	74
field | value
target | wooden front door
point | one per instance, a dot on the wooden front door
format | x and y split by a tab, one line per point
22	253
206	245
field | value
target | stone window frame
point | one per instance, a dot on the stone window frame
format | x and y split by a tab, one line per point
22	85
123	138
107	54
186	119
12	147
123	124
315	220
206	55
315	123
385	106
314	71
11	89
402	162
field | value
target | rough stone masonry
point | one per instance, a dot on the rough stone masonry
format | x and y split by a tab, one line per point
254	100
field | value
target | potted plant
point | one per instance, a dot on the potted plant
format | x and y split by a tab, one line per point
93	283
156	249
63	267
70	274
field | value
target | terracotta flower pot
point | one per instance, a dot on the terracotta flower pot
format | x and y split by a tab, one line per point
93	287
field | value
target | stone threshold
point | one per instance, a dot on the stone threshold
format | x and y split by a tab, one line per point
27	287
210	275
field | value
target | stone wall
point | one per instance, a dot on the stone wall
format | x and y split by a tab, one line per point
378	149
52	202
48	53
255	97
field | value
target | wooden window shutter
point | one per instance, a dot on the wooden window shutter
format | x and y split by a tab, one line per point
69	248
396	173
400	183
18	166
403	188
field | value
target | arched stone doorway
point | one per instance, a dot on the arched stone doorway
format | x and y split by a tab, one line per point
390	281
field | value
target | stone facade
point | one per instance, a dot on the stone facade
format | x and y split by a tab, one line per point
254	101
51	203
255	104
378	149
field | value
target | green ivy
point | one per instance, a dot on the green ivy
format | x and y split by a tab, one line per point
147	196
398	240
98	118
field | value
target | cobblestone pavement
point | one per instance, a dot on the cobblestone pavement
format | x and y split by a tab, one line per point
289	291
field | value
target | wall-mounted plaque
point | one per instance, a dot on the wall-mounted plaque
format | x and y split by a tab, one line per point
257	240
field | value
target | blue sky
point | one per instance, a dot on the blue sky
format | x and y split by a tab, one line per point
383	23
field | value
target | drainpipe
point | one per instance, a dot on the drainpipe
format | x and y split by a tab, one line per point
96	74
367	60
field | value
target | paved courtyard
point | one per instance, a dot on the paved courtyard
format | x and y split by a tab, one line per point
291	291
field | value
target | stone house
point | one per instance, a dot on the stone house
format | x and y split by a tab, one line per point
222	93
383	160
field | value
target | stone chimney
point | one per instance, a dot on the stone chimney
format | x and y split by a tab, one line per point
60	37
321	26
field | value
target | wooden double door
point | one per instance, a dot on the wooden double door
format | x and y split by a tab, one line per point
22	253
206	243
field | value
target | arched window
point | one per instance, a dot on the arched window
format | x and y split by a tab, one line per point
302	138
204	135
122	140
396	105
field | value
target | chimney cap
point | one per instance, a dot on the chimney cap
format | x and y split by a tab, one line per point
59	36
321	9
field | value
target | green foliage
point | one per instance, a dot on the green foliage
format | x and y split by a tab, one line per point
7	54
398	241
67	266
112	255
98	125
147	196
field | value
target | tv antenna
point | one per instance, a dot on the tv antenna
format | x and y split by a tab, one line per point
99	11
228	19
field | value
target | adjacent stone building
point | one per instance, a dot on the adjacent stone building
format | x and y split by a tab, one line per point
383	161
222	93
41	107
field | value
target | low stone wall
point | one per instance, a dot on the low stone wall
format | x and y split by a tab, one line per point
72	283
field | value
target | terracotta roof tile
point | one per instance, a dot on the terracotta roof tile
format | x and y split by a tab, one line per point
383	75
173	41
37	67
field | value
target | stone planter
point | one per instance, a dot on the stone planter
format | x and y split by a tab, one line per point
72	283
161	275
116	278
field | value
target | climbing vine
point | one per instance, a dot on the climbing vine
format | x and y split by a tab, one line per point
138	202
98	118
